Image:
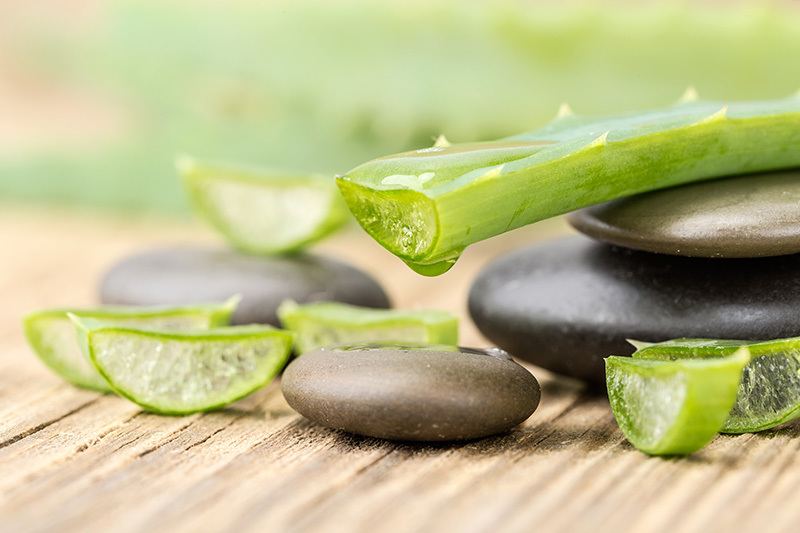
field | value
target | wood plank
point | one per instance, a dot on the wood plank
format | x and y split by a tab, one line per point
73	460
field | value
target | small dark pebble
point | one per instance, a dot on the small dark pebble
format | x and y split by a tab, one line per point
411	393
176	276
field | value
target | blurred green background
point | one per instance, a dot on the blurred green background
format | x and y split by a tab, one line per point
97	98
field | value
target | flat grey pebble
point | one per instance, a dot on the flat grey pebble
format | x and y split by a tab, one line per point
745	216
564	305
411	393
176	276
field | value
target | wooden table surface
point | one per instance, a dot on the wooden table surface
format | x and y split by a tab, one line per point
72	460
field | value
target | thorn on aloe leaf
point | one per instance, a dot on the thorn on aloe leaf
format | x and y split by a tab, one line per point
639	345
689	95
602	140
441	142
564	110
494	172
720	115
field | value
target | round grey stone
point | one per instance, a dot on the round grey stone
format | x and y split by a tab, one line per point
176	276
412	393
565	305
744	216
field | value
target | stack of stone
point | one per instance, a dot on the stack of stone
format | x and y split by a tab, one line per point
719	259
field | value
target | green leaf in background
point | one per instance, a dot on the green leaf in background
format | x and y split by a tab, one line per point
322	86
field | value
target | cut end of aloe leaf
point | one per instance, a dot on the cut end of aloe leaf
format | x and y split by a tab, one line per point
402	221
182	372
321	324
769	392
673	407
52	335
263	212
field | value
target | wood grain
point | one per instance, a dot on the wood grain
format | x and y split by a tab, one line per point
72	460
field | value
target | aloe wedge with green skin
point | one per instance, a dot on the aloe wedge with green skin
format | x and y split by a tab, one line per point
262	212
426	206
769	393
673	407
320	324
182	372
52	336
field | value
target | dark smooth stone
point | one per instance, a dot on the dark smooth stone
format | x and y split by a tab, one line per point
745	216
412	393
566	304
176	276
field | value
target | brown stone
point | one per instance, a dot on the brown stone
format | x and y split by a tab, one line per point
411	392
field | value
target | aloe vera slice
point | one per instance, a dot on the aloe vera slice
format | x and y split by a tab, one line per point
769	393
426	206
182	372
321	324
673	407
52	336
264	212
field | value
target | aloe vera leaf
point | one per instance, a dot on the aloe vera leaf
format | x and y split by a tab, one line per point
769	392
426	206
263	212
52	336
672	407
319	324
181	372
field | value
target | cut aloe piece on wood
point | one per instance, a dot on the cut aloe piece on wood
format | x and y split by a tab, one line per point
182	372
427	206
264	212
52	335
673	407
321	324
769	393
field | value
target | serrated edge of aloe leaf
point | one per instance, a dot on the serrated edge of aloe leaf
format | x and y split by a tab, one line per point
428	228
220	312
91	324
192	171
248	331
